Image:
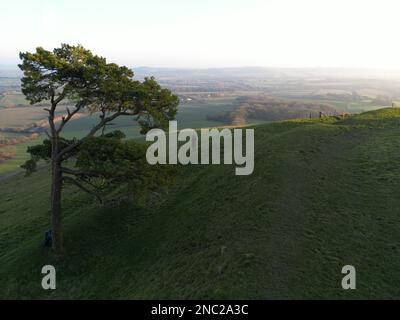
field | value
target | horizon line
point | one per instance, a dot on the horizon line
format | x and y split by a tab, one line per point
245	67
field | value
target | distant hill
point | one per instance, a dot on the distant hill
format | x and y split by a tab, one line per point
268	73
324	194
12	71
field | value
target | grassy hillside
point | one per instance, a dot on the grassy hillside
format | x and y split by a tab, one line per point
323	195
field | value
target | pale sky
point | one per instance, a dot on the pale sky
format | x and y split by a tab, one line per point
210	33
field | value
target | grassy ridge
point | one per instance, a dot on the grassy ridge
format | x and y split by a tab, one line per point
323	195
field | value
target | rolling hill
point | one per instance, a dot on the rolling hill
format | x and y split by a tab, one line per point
323	194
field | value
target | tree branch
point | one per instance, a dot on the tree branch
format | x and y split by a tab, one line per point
92	132
82	187
89	173
51	115
60	97
47	134
69	116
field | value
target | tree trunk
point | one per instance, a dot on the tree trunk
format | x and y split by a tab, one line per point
56	188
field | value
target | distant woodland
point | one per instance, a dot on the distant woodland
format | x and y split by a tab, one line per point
271	109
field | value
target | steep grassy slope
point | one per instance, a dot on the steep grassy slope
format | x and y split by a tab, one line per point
323	195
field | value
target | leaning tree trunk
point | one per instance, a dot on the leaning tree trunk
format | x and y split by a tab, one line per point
56	187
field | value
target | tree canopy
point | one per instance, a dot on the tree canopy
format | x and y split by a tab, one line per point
99	160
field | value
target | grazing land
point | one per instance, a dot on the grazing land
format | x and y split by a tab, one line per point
323	194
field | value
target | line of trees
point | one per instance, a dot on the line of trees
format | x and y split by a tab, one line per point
270	110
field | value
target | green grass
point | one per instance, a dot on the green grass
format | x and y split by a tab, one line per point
324	194
341	106
12	166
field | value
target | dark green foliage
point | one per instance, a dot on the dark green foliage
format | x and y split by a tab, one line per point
68	68
74	73
90	84
43	152
115	163
105	89
108	162
29	166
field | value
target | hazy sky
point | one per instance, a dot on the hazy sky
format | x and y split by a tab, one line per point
210	33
